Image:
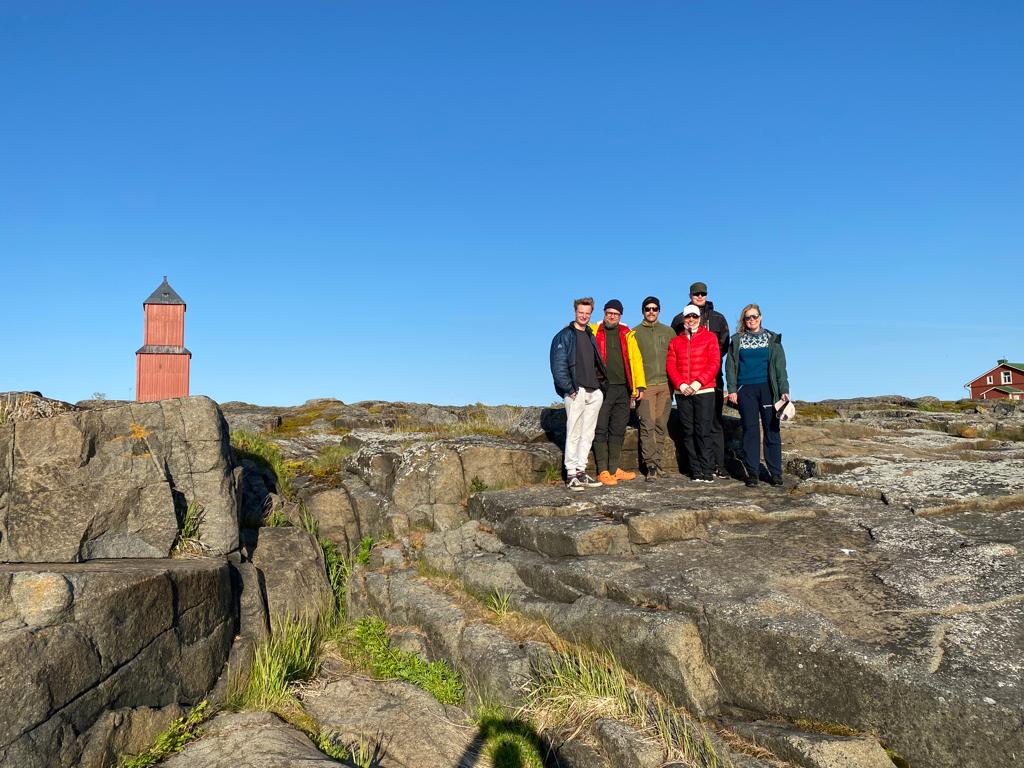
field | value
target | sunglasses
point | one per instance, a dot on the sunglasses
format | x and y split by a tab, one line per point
652	309
691	317
698	294
751	317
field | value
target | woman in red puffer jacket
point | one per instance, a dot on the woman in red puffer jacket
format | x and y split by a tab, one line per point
692	365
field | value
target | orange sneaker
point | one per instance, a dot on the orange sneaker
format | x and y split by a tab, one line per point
621	474
607	478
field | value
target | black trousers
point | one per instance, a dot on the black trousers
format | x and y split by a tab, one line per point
611	428
718	431
695	417
757	413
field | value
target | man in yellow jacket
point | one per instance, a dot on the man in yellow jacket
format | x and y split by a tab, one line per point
626	384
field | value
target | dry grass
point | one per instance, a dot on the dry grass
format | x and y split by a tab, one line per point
815	411
981	504
808	487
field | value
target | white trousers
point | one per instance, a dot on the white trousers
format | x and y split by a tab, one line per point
580	422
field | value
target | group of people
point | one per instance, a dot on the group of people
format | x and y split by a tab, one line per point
602	370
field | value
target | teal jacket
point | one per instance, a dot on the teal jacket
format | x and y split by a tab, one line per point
778	379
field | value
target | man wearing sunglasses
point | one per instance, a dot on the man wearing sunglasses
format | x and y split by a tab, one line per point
652	339
718	325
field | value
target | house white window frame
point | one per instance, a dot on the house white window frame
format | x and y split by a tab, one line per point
988	380
1007	377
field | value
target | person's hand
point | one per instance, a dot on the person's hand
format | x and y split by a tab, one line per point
688	390
573	395
639	396
785	398
733	398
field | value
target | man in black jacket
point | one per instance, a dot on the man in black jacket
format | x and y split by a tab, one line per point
718	325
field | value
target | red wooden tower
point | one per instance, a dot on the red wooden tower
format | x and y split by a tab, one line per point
162	363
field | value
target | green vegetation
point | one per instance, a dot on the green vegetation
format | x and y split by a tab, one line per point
478	420
476	485
498	602
583	685
178	734
330	461
257	448
948	406
816	412
188	544
509	741
290	654
553	474
371	649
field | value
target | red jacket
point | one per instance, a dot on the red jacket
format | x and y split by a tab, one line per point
631	359
693	359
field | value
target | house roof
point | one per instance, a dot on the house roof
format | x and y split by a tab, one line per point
1008	390
164	294
977	379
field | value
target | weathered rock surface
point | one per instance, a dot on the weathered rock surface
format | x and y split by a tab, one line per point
81	643
85	485
252	740
405	725
817	750
291	564
834	609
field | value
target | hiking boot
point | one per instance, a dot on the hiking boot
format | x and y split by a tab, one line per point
775	481
621	474
575	484
721	473
588	481
607	478
652	474
750	482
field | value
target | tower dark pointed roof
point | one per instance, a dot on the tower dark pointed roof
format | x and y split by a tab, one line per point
164	294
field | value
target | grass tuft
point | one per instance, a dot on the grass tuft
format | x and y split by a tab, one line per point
330	461
173	740
290	653
582	685
498	603
188	543
369	647
257	448
508	741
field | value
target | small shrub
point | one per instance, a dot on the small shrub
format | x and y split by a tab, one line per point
173	740
364	550
477	485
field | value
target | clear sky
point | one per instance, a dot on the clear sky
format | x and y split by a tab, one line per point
399	200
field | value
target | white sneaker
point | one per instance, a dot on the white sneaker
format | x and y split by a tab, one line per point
575	484
588	481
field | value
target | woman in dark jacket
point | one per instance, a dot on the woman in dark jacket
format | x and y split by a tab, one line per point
756	378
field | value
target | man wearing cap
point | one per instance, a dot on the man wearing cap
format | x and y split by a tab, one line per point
719	326
580	379
652	339
625	369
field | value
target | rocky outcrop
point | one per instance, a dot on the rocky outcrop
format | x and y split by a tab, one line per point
291	567
94	653
114	483
402	725
253	740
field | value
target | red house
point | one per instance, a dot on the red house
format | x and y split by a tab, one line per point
1005	380
162	362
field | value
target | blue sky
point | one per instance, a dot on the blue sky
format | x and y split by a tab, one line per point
399	200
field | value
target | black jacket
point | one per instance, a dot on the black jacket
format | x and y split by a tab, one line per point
713	321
